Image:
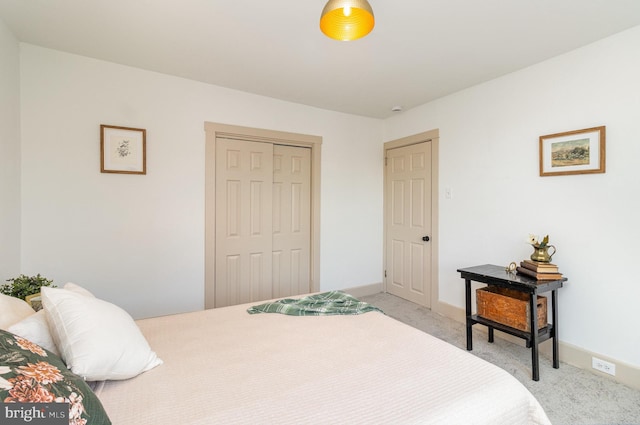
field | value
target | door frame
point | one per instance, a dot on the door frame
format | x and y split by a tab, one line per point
215	130
432	136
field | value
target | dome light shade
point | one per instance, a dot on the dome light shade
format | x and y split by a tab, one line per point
347	19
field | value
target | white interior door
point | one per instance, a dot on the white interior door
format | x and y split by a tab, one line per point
408	221
291	220
244	227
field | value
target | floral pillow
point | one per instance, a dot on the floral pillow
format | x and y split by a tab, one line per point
30	374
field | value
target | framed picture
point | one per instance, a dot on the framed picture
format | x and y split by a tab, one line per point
35	301
573	152
123	150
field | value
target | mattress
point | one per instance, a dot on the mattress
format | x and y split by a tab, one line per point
225	366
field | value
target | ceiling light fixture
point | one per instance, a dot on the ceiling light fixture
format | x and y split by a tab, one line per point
347	20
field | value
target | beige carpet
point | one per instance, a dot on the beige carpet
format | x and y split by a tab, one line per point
569	395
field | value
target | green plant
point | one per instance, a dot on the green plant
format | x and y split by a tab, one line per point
23	286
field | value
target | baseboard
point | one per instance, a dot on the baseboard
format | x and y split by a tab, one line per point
363	291
579	357
570	354
450	311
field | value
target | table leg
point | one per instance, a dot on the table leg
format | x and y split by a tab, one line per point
490	333
533	301
554	317
467	296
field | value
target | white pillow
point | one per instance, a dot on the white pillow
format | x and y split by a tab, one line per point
35	328
13	310
97	340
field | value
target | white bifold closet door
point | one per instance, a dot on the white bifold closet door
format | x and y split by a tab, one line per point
263	198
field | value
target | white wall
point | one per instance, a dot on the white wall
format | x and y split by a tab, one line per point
9	155
489	159
139	240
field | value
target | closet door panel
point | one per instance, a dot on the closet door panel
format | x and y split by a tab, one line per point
244	242
292	220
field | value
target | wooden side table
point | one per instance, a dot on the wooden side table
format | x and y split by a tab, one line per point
498	276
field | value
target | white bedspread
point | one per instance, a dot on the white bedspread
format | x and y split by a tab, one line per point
226	366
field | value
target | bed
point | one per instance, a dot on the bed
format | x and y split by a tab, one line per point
226	366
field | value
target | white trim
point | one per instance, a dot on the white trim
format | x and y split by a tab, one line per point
365	290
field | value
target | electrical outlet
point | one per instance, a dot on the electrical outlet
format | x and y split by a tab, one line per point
603	366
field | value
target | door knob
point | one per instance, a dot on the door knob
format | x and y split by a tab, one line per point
425	238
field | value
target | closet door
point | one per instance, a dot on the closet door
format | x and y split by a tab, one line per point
263	221
291	220
244	224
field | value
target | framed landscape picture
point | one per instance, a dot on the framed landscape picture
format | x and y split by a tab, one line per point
573	152
123	150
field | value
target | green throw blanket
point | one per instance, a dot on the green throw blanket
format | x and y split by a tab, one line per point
325	304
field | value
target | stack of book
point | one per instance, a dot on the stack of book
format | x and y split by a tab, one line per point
539	271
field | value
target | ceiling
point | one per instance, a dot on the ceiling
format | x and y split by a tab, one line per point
419	50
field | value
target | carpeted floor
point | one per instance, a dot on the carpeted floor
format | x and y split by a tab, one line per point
569	395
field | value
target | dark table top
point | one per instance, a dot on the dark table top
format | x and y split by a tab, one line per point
497	275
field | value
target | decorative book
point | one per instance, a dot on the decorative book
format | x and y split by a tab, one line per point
538	275
539	267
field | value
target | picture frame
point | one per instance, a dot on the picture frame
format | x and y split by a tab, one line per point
35	301
123	150
573	152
